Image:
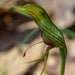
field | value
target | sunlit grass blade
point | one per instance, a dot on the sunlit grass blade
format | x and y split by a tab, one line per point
68	32
27	38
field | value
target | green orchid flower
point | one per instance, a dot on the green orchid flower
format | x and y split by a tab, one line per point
52	36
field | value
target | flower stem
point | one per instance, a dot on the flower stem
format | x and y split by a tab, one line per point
63	52
62	67
47	53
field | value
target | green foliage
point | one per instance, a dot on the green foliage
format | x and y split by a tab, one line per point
69	33
3	71
27	38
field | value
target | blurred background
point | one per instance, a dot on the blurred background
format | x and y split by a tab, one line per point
14	28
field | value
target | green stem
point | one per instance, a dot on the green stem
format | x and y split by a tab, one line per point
62	67
47	53
63	52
